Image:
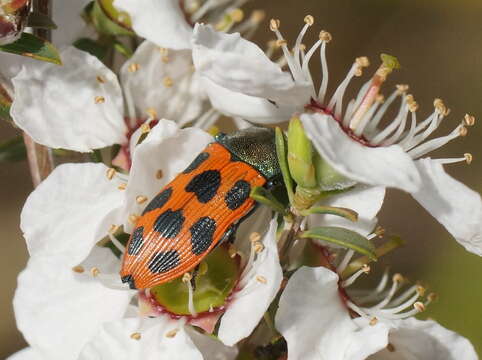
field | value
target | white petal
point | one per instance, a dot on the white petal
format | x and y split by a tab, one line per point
241	66
388	166
416	340
166	148
252	301
315	323
26	354
453	204
161	22
114	341
182	101
70	211
66	106
365	200
254	109
211	348
58	310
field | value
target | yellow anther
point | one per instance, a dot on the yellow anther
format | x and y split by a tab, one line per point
258	247
99	99
122	186
358	72
463	131
133	67
136	336
232	251
274	24
469	120
165	59
152	113
110	173
421	290
254	237
310	20
419	306
440	107
325	36
402	88
362	61
468	158
145	128
113	229
100	79
78	269
379	231
140	199
281	42
172	333
167	81
272	44
237	15
380	99
413	106
133	218
432	297
398	278
159	174
302	47
261	279
365	268
164	51
257	16
186	277
95	271
373	321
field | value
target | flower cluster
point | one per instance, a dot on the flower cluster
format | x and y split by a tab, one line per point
280	281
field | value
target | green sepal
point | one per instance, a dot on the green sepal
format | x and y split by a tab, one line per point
122	49
330	210
92	47
96	156
212	288
328	178
263	196
13	150
106	19
39	20
300	155
343	237
283	163
34	47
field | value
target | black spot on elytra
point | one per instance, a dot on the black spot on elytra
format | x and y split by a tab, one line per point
202	232
202	157
237	195
130	280
205	185
164	261
169	223
159	201
136	241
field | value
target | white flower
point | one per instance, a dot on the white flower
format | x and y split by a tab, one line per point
77	285
350	140
318	324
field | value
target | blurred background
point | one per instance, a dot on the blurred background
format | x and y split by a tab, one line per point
438	44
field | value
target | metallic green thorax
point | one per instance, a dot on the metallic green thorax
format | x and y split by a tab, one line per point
255	146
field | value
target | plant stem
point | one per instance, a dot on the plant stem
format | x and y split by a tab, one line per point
40	158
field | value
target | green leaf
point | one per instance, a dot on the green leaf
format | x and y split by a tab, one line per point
92	47
344	237
123	49
343	212
13	150
39	20
263	196
32	46
283	163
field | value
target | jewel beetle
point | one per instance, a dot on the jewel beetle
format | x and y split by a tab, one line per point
200	208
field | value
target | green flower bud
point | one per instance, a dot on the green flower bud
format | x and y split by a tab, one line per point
300	155
215	280
328	178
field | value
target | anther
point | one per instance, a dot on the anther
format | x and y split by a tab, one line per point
310	20
159	174
163	51
140	199
258	247
113	228
110	173
79	269
463	131
257	16
398	278
254	237
95	271
237	15
100	79
469	120
274	24
99	99
122	186
379	231
468	158
390	347
365	268
145	128
432	297
402	88
325	36
261	279
133	218
440	107
165	59
172	333
421	290
133	67
152	113
373	321
419	306
281	42
362	61
136	336
380	99
167	81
